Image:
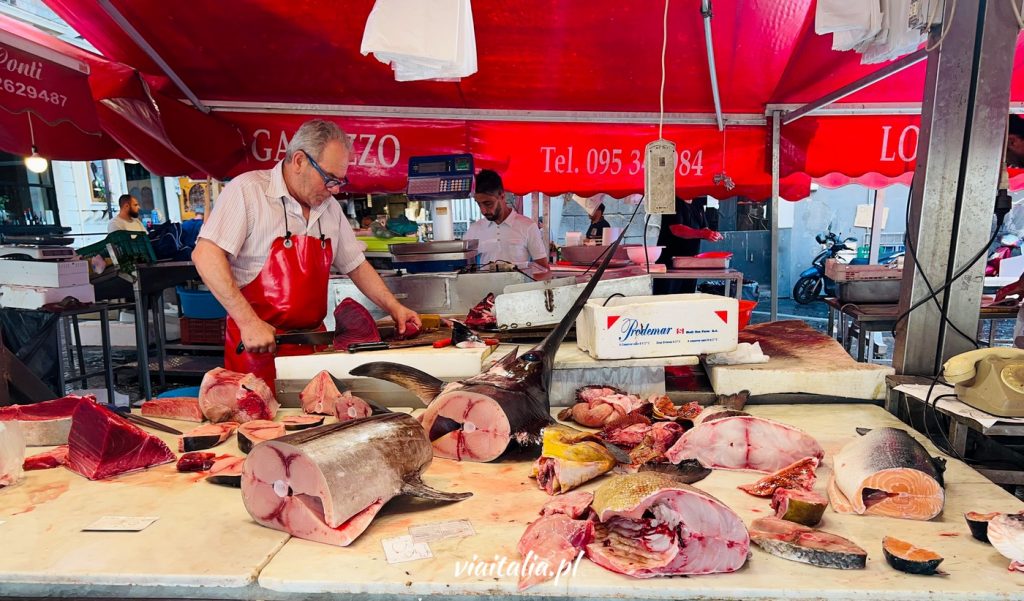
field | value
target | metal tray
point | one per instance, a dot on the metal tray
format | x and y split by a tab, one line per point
468	255
443	246
700	263
869	291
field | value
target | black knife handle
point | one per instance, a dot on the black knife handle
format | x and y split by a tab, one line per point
367	346
240	349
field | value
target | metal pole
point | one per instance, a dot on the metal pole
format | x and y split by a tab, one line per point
776	131
894	67
876	225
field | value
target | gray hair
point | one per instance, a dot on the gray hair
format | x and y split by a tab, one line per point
314	135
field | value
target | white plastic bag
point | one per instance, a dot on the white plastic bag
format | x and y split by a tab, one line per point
422	39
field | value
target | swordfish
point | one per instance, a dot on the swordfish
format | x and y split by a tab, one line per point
506	405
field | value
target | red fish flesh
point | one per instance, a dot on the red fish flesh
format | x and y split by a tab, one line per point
573	504
797	475
196	462
55	457
206	436
653	525
47	423
482	315
506	406
599	406
102	444
887	472
326	484
353	324
228	396
733	440
656	442
183	408
252	433
12	453
550	545
320	395
227	471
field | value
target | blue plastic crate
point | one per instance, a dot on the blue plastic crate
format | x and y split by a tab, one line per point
200	304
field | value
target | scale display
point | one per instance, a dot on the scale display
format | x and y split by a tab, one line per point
441	177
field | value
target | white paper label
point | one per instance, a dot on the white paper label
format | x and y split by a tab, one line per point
403	548
2	522
120	523
440	530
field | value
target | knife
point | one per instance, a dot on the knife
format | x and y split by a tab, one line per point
310	338
126	413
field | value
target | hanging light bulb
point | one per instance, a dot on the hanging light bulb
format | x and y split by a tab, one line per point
36	163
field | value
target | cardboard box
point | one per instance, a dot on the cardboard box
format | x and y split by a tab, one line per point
658	326
49	274
33	297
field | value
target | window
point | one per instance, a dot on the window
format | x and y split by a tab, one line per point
739	214
26	198
147	188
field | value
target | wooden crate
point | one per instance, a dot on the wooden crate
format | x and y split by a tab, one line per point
841	272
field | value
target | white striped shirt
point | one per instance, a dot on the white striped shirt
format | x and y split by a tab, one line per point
516	240
248	216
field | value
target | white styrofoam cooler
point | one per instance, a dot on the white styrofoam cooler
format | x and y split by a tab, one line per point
49	274
546	303
658	326
33	297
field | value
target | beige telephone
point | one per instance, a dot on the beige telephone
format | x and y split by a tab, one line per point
991	379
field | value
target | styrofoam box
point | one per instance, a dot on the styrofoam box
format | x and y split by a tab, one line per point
33	297
51	274
658	326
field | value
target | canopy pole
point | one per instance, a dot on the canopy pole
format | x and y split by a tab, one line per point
705	10
136	37
776	130
895	67
878	212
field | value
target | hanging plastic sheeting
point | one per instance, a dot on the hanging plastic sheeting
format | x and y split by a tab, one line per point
422	39
880	30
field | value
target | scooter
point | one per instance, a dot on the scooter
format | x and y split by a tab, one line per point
812	281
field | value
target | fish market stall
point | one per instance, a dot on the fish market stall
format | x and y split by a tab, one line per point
205	545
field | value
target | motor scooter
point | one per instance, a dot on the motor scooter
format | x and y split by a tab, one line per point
812	281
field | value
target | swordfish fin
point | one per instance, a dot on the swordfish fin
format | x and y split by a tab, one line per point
414	487
425	386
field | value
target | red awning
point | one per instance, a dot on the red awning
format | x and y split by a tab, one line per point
273	64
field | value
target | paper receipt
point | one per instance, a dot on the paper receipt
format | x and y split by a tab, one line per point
424	533
403	548
119	523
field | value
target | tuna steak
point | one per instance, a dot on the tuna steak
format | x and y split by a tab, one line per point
12	453
55	457
653	525
227	471
102	444
734	440
228	396
46	423
251	433
183	408
326	484
806	545
504	406
206	436
886	472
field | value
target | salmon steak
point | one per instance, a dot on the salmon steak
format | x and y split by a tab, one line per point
504	407
887	472
650	524
734	440
326	484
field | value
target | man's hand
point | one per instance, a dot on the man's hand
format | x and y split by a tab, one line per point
1011	289
403	315
258	337
711	235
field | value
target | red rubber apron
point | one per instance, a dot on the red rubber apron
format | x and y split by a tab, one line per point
290	293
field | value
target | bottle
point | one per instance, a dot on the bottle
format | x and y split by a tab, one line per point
155	217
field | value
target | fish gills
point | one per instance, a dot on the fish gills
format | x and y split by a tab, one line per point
886	472
653	525
326	484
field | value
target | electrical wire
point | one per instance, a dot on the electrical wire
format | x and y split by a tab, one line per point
947	24
619	239
664	47
1016	13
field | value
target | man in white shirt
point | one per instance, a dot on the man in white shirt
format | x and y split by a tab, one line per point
128	217
266	249
504	235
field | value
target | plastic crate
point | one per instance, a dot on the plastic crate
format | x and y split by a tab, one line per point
200	304
203	331
130	247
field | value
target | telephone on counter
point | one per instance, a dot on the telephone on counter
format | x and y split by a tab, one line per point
990	379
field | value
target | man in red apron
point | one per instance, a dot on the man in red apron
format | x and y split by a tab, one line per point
267	247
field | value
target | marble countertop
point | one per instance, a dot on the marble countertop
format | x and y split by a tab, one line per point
205	545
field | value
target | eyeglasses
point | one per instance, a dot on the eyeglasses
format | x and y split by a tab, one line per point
330	181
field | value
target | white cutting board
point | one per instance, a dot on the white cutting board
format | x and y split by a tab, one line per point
446	364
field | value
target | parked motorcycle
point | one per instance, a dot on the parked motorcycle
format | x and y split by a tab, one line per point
812	281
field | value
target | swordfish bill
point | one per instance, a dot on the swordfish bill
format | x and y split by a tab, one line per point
503	407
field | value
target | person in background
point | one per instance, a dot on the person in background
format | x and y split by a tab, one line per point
681	234
199	203
267	248
128	217
1015	142
597	223
1015	159
504	235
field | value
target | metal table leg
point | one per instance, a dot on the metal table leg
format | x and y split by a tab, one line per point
958	436
108	367
831	321
62	384
991	331
159	330
860	343
142	341
78	348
